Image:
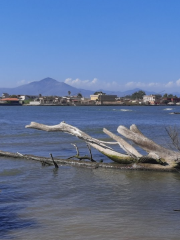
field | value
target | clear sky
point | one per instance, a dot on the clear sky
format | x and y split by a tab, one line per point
92	44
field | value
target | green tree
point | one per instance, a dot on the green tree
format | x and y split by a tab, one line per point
158	96
13	96
69	93
79	95
96	93
138	95
127	96
165	95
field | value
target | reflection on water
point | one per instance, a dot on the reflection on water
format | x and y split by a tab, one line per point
77	203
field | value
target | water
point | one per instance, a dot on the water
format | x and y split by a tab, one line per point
77	203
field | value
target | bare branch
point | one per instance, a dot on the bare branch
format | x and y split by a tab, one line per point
174	136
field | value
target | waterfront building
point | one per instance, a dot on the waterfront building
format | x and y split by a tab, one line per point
9	101
5	95
151	99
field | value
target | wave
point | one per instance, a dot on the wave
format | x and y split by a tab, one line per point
123	110
167	109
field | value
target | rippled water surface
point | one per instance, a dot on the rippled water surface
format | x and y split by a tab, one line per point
78	203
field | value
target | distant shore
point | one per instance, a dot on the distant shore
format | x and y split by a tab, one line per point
105	105
84	105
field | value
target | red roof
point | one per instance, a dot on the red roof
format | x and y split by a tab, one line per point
9	99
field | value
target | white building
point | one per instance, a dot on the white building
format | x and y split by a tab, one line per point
26	97
151	99
5	95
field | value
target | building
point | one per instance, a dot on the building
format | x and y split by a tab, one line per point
95	96
5	95
173	100
47	100
101	98
107	98
9	101
26	97
151	99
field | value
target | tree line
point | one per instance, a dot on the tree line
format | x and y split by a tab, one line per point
139	95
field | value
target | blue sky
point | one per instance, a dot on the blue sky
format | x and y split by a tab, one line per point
92	44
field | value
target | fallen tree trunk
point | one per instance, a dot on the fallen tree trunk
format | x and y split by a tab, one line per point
164	158
93	165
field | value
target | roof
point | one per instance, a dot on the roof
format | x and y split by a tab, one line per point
9	99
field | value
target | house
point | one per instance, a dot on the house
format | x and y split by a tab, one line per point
102	98
96	96
107	99
170	100
5	95
26	97
48	100
151	99
9	101
36	102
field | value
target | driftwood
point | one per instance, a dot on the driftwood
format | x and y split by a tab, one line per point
82	157
158	157
92	165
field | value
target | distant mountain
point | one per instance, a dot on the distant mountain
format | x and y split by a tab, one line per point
46	87
51	87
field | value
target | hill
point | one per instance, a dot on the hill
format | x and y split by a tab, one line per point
51	87
46	87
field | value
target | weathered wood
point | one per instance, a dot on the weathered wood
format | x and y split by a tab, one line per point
55	164
156	153
167	156
82	157
92	165
95	143
91	157
131	151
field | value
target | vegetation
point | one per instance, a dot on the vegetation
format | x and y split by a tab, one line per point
79	95
27	101
127	96
169	96
138	95
96	93
69	93
13	96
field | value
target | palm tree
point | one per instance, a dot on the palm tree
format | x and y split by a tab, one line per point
69	93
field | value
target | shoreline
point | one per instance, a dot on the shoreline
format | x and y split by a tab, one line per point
84	105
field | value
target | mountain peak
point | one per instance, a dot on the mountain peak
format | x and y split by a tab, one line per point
48	79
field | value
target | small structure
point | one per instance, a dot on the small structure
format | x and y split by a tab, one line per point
9	101
101	98
95	97
47	100
26	97
151	99
5	95
35	103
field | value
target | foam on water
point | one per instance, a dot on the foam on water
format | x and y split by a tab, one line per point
168	109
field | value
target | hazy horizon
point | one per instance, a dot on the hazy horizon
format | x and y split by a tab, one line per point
116	45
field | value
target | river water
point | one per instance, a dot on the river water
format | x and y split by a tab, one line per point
78	203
